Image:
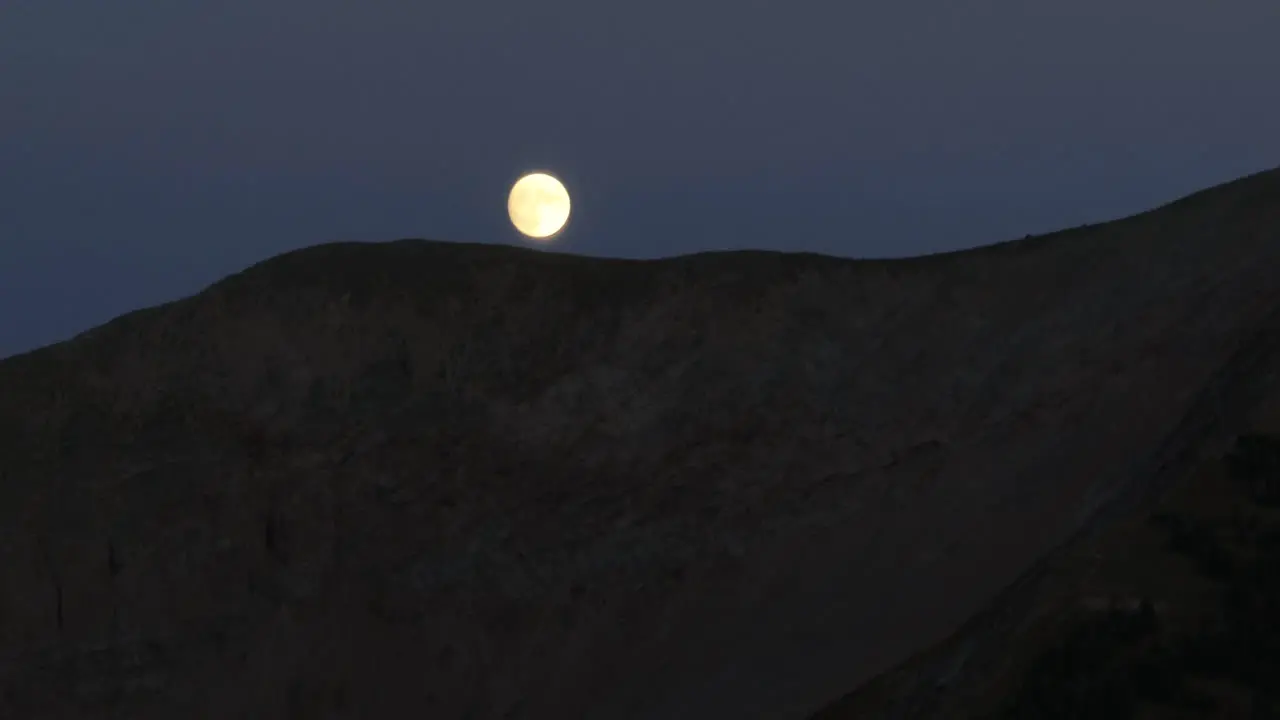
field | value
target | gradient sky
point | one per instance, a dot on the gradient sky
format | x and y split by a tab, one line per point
149	148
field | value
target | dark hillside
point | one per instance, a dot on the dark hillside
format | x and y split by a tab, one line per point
463	481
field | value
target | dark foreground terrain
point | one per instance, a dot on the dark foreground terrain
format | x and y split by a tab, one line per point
1171	613
423	479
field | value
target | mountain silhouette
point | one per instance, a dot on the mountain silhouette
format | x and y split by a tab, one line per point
425	479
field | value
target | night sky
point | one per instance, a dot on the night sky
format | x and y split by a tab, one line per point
149	148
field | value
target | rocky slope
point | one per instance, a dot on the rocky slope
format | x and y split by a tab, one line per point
426	479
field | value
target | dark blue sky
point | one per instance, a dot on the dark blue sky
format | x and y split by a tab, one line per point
149	148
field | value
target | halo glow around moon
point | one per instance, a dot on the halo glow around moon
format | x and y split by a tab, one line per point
538	205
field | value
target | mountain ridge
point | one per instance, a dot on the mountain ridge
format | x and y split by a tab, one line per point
552	485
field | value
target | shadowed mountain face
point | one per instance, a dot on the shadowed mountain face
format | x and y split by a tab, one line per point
420	479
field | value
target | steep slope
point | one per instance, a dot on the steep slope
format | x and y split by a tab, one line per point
471	481
1112	555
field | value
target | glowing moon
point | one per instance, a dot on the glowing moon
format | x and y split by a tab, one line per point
538	205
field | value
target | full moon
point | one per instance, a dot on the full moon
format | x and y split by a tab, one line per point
538	205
